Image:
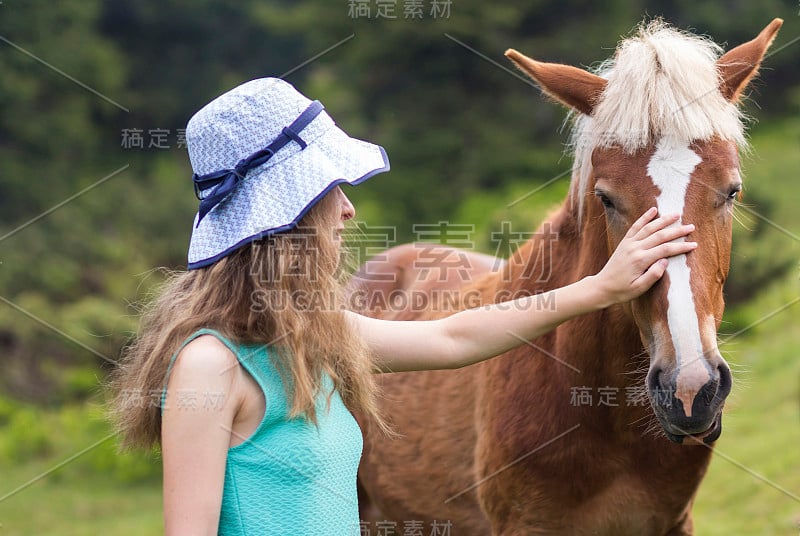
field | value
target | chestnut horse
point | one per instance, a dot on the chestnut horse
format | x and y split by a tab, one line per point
557	436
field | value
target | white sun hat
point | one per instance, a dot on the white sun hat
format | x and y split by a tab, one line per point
262	156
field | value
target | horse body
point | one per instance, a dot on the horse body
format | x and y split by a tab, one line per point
479	420
511	445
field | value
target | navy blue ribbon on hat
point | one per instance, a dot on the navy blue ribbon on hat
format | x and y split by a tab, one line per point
220	184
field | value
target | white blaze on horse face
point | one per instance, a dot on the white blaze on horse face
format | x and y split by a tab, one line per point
671	169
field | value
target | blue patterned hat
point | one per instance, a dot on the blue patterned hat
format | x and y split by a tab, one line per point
262	156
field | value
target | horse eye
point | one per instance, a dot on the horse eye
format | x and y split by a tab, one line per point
607	203
734	192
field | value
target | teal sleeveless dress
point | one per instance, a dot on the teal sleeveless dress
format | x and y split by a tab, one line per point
290	476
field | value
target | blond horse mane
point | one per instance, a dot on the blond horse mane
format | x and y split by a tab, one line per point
661	82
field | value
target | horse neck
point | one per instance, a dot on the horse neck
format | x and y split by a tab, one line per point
560	252
605	345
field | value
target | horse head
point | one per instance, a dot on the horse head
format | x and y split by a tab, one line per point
658	125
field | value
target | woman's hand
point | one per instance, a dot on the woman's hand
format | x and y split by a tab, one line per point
640	259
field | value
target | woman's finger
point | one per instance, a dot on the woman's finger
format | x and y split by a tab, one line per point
650	276
666	235
637	226
670	249
656	225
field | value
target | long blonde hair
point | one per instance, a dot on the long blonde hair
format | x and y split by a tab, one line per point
284	289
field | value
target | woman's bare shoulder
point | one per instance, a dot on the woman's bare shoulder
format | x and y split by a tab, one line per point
205	362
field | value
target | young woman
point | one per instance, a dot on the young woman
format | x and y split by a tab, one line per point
255	364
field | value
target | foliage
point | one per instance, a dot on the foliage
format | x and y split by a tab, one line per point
34	434
456	127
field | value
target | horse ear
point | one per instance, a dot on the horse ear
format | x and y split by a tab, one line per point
568	85
739	65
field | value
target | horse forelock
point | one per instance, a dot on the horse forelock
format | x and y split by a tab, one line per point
662	82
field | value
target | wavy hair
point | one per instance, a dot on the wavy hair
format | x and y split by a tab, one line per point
284	290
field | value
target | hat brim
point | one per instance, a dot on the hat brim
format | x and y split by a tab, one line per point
275	198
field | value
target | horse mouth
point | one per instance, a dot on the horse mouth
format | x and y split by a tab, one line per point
709	436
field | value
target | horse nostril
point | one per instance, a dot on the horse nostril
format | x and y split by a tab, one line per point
654	380
708	392
717	388
725	381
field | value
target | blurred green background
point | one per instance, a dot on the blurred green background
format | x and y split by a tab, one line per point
95	193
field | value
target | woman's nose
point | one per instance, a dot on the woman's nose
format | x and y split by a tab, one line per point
348	210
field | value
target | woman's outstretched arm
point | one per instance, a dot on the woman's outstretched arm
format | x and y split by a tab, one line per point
477	334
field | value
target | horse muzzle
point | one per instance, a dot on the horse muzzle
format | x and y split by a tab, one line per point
681	416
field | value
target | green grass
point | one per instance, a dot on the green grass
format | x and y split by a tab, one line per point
87	503
79	484
762	429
